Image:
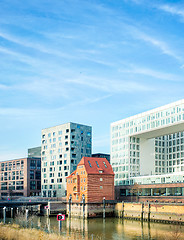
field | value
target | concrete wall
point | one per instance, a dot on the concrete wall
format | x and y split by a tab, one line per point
90	210
56	207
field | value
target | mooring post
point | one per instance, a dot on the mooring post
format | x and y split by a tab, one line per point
122	213
17	211
83	202
27	214
4	214
104	207
70	202
149	211
11	212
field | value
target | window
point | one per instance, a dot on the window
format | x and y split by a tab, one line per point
33	164
89	163
32	185
105	164
31	174
100	171
101	187
97	164
60	132
101	179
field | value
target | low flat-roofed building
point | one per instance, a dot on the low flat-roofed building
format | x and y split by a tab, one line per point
20	177
93	179
153	188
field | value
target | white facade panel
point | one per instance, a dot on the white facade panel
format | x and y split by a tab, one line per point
148	143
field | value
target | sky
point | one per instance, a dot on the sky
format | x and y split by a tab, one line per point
92	62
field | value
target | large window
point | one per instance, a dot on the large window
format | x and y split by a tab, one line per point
32	185
32	174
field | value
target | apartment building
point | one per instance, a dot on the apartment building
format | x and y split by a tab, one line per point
63	146
149	143
93	179
20	177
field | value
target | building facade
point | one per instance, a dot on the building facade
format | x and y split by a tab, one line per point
20	177
154	188
93	179
34	152
150	143
63	146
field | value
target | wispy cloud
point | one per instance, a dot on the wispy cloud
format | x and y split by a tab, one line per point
29	43
152	73
173	9
111	86
162	45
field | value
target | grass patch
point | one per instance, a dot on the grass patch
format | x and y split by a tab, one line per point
15	232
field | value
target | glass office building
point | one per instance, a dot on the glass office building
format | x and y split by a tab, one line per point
150	143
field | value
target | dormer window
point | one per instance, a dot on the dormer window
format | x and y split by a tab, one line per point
97	164
105	164
100	171
89	163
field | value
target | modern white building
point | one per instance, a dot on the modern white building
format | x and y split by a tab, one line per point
63	146
149	143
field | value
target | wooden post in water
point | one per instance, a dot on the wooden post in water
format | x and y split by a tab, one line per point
17	211
122	215
83	203
149	211
104	207
11	212
70	203
4	214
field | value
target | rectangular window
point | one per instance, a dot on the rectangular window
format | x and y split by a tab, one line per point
105	164
97	164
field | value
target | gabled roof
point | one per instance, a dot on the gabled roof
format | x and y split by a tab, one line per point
73	173
93	165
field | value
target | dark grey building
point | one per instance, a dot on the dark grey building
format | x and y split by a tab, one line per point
34	152
102	155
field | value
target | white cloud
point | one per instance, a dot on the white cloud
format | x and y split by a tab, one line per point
152	73
111	86
174	10
163	46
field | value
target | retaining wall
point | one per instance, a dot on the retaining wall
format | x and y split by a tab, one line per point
151	211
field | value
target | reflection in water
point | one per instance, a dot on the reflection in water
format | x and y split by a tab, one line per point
109	229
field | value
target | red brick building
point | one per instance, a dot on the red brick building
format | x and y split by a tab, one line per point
93	179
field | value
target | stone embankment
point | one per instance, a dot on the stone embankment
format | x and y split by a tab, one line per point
158	212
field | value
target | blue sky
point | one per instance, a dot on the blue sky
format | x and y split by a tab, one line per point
87	61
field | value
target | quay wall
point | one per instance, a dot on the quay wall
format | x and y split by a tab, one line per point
159	212
89	210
